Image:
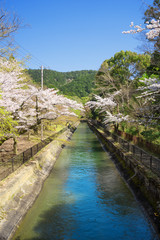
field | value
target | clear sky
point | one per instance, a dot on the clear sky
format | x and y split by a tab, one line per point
69	35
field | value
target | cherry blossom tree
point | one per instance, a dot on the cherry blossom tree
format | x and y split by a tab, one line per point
28	104
152	28
149	94
107	106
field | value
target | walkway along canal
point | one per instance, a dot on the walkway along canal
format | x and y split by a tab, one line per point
85	198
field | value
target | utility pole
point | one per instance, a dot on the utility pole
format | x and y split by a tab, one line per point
41	89
42	77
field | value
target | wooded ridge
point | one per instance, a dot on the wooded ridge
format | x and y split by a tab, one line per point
74	83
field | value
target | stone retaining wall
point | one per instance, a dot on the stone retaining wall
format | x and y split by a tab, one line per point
144	183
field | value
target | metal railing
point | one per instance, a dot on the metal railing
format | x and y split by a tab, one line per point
15	162
139	154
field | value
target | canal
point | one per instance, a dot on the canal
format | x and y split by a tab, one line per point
85	198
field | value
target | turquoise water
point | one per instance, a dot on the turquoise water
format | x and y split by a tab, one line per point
85	198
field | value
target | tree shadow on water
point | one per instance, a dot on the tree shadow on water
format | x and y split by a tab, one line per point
56	224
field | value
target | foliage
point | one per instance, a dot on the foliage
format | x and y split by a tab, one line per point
133	130
116	83
7	125
136	79
74	98
126	94
121	72
84	100
154	67
77	112
126	65
151	135
75	83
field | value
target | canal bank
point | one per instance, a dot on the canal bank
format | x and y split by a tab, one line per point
143	182
20	189
85	198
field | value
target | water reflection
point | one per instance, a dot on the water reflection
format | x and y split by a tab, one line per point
85	198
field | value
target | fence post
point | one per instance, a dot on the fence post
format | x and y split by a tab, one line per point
31	152
133	149
151	162
141	155
12	164
23	157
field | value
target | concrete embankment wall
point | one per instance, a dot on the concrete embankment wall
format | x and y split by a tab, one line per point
19	191
144	183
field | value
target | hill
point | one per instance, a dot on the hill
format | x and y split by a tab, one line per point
75	83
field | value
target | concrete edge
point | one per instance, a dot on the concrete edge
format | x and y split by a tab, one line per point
144	184
19	191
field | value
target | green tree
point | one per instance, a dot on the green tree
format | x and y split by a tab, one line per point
126	66
121	72
118	78
7	125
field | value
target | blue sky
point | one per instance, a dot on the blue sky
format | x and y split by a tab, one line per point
69	35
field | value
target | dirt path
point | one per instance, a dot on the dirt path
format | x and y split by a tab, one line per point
23	143
6	149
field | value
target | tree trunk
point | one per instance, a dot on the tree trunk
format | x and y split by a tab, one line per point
29	134
15	145
36	127
35	130
116	127
41	130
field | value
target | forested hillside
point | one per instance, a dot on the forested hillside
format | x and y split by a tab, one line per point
75	83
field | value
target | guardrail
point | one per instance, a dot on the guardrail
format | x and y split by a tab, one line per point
139	154
14	163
